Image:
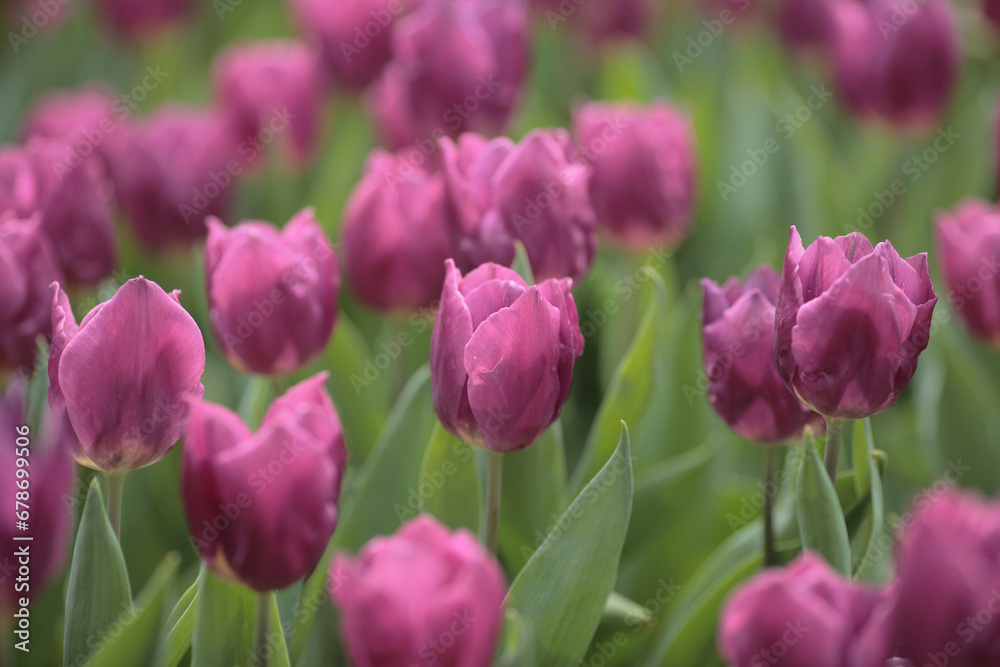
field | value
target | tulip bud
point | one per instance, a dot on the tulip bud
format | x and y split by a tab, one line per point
83	119
18	183
600	21
805	24
851	322
991	10
805	615
394	236
457	66
28	266
744	386
948	594
530	192
642	183
502	356
422	595
124	374
272	295
139	19
172	170
262	507
45	453
272	86
968	242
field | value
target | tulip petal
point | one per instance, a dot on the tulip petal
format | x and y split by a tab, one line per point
64	328
559	294
821	265
452	331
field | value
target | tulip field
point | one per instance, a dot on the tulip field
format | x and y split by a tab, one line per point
513	333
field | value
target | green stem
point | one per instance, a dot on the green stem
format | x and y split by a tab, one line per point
261	628
494	473
770	490
116	485
834	433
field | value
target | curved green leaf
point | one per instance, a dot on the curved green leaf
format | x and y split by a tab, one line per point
180	625
449	484
224	625
864	541
821	521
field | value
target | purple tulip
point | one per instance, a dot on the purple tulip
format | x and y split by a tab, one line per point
46	452
394	236
851	322
991	10
272	295
139	19
532	192
261	507
18	183
643	181
968	242
124	374
805	24
947	608
422	596
744	386
174	169
354	36
600	21
272	86
82	118
805	615
502	356
28	266
456	67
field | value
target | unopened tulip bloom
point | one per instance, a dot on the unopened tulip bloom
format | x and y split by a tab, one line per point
991	10
45	453
533	192
502	356
817	618
599	21
395	239
124	374
851	321
642	183
405	595
805	24
18	183
968	242
138	19
744	386
82	118
268	85
456	67
272	294
261	507
28	266
947	608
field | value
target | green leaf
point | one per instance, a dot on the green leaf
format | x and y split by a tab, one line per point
137	641
224	625
629	394
522	265
564	588
180	625
619	610
98	590
449	483
275	634
255	401
864	541
821	521
518	647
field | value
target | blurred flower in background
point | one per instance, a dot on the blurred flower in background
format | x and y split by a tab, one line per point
139	19
598	21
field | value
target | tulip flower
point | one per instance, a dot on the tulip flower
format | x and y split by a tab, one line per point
124	374
138	19
805	615
395	239
171	171
532	192
28	266
272	295
642	183
599	21
805	24
260	84
261	507
968	242
991	10
744	386
18	183
420	596
83	119
947	604
45	452
456	67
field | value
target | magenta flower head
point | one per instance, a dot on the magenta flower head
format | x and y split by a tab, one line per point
805	24
744	386
18	183
261	507
502	356
28	266
599	21
139	19
172	170
422	596
805	615
127	408
83	118
44	456
457	67
643	181
851	322
272	295
532	192
968	241
394	236
273	86
947	608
